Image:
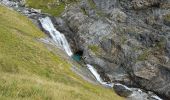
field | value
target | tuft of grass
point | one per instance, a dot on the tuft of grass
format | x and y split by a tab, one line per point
92	4
53	7
83	11
123	39
95	49
167	17
144	55
30	72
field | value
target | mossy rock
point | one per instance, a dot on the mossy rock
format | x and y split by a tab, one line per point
92	4
95	49
167	19
143	56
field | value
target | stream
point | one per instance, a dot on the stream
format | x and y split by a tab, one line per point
61	41
59	38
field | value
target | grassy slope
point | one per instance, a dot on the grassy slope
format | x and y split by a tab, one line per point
29	71
53	7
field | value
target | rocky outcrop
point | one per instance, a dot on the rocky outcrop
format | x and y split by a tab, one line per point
153	77
128	44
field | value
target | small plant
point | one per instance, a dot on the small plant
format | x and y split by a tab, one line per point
167	17
143	56
95	49
84	11
123	39
92	4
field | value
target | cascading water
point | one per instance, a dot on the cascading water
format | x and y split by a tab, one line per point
97	76
137	94
58	37
62	41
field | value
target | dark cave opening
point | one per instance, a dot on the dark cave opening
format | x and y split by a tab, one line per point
77	56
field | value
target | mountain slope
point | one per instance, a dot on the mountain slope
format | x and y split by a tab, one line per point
29	71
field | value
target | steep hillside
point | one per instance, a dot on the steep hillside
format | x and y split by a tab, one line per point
29	71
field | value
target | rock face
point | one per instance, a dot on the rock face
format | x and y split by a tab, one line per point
127	43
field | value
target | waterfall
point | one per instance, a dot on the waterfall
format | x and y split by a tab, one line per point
60	40
58	37
97	76
137	94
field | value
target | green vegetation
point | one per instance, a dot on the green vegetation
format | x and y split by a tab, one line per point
161	44
144	55
92	4
83	11
53	7
95	49
167	17
30	72
123	39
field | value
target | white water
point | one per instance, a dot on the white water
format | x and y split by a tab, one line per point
137	94
58	37
97	76
61	40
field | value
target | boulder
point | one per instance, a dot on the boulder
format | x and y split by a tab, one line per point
145	70
153	77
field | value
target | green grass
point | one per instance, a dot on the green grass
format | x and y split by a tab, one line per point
144	55
167	17
53	7
92	4
95	49
28	71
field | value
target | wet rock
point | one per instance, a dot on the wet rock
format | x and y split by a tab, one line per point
122	90
153	77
